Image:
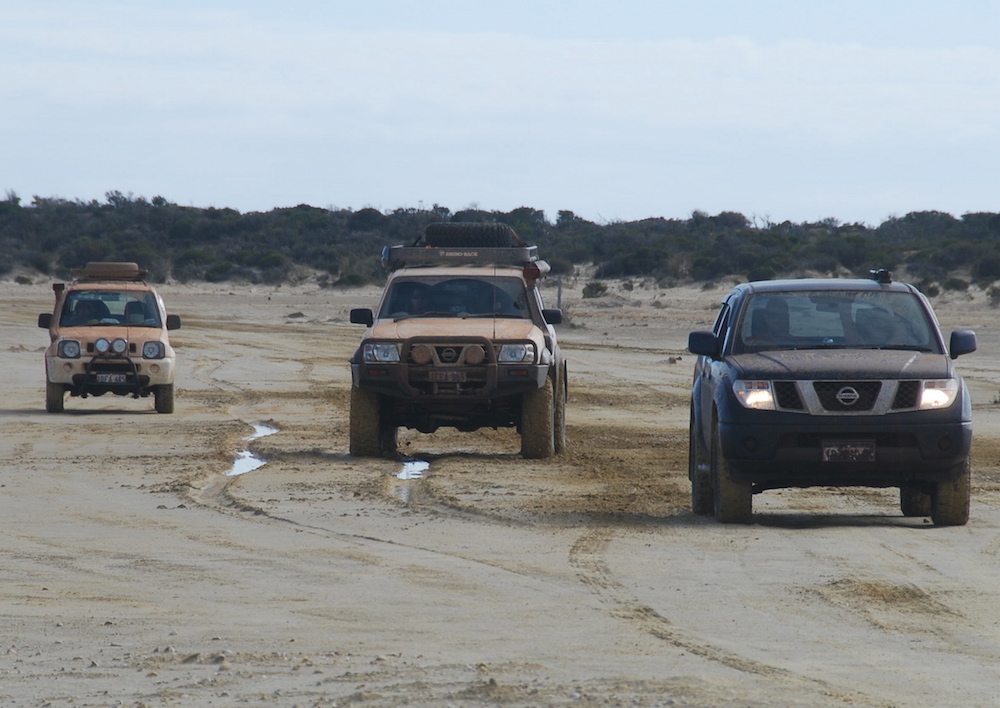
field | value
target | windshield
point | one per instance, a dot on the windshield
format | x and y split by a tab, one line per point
835	319
98	308
444	296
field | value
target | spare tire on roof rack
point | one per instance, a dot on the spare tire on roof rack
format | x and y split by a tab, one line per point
461	234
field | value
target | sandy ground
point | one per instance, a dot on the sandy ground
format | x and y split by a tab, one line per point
137	572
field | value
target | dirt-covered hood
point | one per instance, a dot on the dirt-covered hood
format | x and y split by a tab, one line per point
499	328
835	364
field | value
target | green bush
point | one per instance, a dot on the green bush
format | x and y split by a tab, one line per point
594	289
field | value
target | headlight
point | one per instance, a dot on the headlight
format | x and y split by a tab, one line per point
102	345
381	352
69	349
754	394
938	394
119	346
516	353
153	350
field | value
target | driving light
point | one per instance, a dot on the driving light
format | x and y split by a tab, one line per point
69	349
938	394
119	346
516	353
102	345
422	355
153	350
381	351
754	394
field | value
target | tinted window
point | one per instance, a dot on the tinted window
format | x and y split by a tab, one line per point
443	296
819	319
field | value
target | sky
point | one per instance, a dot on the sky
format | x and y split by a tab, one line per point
857	111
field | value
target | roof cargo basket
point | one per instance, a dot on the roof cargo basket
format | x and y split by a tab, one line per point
464	243
97	271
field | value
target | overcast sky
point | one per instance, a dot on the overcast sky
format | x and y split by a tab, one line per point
857	110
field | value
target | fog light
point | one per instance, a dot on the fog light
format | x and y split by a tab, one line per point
422	355
750	444
475	355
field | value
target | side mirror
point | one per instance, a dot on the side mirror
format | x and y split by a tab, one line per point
553	316
173	321
704	344
45	320
963	341
362	315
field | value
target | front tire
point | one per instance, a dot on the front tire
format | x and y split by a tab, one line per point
913	502
699	472
537	422
366	440
163	398
55	397
733	499
950	499
559	420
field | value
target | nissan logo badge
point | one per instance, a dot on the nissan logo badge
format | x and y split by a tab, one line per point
449	354
848	396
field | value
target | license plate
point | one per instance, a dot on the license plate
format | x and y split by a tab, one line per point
447	376
849	451
111	378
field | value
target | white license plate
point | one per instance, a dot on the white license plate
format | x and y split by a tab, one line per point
111	378
849	451
447	376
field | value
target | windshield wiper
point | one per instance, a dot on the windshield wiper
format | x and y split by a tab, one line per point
427	314
904	347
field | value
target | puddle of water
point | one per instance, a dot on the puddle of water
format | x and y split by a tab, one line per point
246	461
413	470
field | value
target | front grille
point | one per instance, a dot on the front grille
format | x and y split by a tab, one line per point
111	365
847	396
908	395
787	396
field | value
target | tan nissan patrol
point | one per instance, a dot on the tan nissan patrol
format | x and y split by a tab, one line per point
109	335
460	339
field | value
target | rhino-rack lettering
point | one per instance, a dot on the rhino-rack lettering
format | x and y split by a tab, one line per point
394	257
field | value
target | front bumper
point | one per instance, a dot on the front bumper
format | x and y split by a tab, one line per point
109	374
898	450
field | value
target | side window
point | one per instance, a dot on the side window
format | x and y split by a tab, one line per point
722	324
721	320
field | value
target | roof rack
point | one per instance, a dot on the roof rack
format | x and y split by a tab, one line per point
394	257
97	271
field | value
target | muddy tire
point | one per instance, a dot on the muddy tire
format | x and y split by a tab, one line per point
733	499
537	423
480	235
366	440
699	472
55	397
388	440
163	398
559	415
913	502
950	500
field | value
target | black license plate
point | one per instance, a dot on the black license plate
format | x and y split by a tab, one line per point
849	451
112	378
447	376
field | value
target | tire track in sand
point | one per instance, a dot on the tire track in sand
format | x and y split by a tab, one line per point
587	557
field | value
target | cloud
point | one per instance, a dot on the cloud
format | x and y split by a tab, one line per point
217	96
